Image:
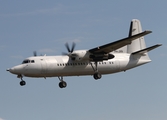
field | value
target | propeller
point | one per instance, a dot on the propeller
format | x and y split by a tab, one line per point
68	48
70	51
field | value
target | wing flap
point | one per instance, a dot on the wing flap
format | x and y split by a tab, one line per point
146	49
117	44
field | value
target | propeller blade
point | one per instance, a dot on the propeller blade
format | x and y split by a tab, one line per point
73	46
67	46
70	51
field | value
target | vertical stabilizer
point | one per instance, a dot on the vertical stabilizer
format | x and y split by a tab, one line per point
139	44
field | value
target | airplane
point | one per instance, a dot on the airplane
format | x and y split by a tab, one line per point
121	55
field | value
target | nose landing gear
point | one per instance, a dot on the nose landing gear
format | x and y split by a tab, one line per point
62	83
22	82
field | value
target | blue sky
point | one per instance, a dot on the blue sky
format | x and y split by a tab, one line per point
45	26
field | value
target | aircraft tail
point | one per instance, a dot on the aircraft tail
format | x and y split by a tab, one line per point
139	44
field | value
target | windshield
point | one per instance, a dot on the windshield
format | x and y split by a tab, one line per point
25	61
28	61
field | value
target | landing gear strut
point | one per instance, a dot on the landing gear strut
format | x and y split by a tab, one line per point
62	84
22	82
96	74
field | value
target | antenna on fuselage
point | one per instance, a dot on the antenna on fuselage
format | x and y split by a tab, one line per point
35	53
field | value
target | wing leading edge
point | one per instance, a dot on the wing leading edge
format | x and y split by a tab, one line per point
104	49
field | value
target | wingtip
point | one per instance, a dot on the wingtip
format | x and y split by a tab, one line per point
159	44
148	31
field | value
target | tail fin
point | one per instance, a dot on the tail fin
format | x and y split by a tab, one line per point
139	44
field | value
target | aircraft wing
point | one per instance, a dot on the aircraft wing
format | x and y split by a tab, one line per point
117	44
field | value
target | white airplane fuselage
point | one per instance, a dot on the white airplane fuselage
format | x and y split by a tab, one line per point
113	57
55	66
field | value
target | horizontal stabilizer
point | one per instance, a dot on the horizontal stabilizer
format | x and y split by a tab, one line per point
146	49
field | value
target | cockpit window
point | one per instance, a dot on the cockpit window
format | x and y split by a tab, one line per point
28	61
32	61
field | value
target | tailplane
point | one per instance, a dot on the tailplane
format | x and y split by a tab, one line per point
143	51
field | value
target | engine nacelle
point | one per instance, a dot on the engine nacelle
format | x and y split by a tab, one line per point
85	55
80	55
101	57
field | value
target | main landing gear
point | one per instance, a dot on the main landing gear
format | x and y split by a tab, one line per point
96	74
22	82
62	84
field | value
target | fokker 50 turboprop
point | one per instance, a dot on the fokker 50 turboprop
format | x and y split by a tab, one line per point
117	56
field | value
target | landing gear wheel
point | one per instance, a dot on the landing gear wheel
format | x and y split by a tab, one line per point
97	76
22	83
62	84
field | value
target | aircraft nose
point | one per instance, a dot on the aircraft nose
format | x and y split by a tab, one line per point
11	70
15	70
